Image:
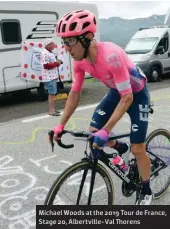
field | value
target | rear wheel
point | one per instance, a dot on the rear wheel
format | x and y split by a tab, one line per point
158	143
66	188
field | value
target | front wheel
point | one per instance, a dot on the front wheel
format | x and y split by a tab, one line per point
158	143
154	74
66	188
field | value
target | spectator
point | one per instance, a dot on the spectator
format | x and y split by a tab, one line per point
50	74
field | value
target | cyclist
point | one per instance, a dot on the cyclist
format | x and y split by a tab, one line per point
128	91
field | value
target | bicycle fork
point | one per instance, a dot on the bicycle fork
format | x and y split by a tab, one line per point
93	163
93	173
92	182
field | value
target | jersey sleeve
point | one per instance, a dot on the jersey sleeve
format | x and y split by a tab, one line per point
78	78
119	69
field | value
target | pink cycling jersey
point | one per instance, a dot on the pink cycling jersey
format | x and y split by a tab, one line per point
112	67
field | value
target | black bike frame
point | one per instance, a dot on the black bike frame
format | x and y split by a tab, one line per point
105	158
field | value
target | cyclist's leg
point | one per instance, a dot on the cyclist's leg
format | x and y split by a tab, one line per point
138	113
102	114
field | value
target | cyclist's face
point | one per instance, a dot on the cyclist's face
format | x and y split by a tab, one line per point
74	47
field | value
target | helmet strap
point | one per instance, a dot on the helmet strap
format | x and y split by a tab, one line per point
86	44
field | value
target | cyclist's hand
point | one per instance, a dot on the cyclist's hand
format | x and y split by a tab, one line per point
57	131
100	138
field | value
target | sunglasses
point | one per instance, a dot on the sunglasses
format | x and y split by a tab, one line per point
71	41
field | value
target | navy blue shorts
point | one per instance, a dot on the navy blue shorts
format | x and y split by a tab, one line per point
138	112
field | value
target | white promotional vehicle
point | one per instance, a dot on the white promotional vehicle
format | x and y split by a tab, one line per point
34	21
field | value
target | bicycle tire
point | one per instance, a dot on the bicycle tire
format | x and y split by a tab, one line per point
72	170
150	137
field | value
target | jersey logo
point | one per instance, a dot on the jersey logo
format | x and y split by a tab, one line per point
134	128
143	112
100	112
113	60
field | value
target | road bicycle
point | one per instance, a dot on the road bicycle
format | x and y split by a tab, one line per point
84	174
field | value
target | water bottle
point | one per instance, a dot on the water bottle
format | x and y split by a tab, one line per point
119	162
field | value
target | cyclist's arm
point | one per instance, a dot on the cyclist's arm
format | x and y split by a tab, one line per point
122	81
74	95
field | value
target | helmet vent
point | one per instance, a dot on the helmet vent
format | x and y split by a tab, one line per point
68	17
94	19
79	11
73	26
63	28
86	24
59	27
83	16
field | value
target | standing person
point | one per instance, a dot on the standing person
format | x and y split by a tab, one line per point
128	91
50	74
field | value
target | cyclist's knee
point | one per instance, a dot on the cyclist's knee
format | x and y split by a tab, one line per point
111	143
138	149
92	129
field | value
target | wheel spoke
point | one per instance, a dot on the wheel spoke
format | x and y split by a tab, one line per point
158	143
66	188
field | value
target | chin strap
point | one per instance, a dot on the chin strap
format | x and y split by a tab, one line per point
86	44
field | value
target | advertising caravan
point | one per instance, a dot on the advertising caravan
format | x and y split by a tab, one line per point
32	22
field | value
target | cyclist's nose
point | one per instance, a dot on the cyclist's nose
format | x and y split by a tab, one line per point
67	48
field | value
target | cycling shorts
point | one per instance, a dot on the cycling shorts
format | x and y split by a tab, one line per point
138	112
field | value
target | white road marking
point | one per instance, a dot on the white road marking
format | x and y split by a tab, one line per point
48	116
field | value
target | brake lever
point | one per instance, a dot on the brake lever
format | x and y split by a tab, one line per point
51	135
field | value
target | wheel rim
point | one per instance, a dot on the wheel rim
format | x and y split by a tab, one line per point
68	192
155	74
160	146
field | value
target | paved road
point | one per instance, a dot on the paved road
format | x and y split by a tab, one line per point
15	107
27	165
